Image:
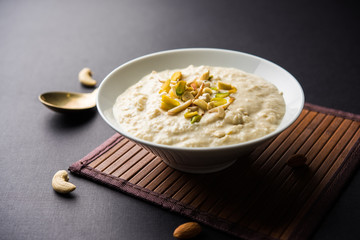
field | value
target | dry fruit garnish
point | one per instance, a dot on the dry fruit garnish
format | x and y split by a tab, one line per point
187	96
222	95
218	101
207	90
224	86
205	76
233	89
176	76
168	103
201	103
190	114
195	119
166	86
179	108
180	88
198	96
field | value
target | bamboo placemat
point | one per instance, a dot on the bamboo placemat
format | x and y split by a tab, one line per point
260	196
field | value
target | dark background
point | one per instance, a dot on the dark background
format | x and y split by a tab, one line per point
43	46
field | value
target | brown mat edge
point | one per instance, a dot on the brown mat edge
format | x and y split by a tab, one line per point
332	111
326	199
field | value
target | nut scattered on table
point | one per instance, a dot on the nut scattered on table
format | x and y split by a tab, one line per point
85	77
60	182
297	160
187	230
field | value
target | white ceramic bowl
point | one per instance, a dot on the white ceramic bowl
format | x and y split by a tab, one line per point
204	159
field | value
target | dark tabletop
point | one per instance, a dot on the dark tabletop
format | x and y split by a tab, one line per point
43	46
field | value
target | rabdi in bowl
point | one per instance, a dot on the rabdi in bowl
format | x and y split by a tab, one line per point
199	109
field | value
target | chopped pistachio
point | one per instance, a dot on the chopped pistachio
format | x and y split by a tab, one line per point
168	103
195	119
214	88
166	86
180	88
233	89
218	101
224	86
172	92
225	106
190	114
205	76
222	95
165	106
176	76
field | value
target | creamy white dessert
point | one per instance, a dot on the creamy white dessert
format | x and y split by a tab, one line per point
200	106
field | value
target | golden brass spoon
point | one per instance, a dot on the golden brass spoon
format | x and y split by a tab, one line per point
68	102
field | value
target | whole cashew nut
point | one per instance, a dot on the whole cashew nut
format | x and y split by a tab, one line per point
60	182
85	77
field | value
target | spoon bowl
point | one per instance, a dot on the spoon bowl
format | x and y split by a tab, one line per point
68	102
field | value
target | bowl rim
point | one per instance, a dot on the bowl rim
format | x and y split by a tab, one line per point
200	149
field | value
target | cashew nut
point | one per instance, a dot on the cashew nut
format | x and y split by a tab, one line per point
60	182
85	77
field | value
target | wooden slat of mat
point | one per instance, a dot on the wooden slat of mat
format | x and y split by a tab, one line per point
145	171
152	175
137	167
179	183
128	163
163	176
108	153
200	198
164	185
260	192
185	189
130	152
112	158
